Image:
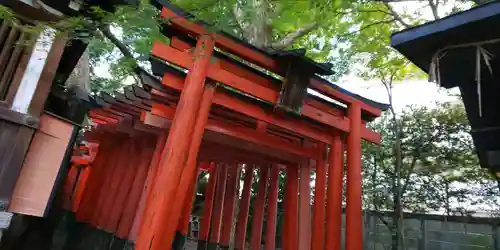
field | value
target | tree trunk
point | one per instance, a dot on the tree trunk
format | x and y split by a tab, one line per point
260	31
447	195
397	216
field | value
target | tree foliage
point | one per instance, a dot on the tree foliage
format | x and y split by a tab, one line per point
439	166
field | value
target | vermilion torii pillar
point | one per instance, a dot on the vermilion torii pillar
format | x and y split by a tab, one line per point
290	225
229	204
258	215
304	206
241	226
272	208
153	235
218	208
354	219
190	171
207	209
333	238
318	227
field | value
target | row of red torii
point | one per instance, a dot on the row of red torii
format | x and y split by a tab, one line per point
229	119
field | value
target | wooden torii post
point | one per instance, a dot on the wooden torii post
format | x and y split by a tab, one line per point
226	117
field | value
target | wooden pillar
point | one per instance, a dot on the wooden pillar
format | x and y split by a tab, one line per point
333	240
85	209
190	170
318	228
229	203
183	225
291	223
272	208
147	187
153	233
99	197
207	209
215	229
124	187
129	211
241	226
304	207
258	211
110	187
354	215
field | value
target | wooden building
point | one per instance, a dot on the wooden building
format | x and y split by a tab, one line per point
39	119
462	51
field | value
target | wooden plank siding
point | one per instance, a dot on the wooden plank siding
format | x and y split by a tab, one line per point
11	156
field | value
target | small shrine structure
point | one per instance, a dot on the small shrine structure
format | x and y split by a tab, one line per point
461	51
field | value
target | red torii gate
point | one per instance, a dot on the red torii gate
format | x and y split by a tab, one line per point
161	135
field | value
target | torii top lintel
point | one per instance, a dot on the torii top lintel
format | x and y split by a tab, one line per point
261	58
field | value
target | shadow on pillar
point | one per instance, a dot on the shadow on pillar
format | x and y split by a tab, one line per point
202	245
179	241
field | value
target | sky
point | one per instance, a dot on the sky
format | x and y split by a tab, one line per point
409	92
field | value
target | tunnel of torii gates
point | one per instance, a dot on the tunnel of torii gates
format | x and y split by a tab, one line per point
229	119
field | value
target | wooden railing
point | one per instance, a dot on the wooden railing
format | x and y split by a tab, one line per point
13	42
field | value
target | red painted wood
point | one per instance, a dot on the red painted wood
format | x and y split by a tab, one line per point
342	97
215	72
313	111
112	189
354	221
254	56
334	202
241	226
134	197
259	138
233	180
124	189
318	227
190	171
85	210
215	229
272	209
241	132
258	213
291	226
176	149
147	188
304	206
183	225
101	197
208	204
225	43
179	44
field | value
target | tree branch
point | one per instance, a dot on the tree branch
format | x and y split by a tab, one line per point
121	46
383	219
395	14
434	8
367	27
113	39
290	38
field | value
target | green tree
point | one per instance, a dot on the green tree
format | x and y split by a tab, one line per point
438	164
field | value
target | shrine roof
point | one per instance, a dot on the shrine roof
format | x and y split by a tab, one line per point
419	44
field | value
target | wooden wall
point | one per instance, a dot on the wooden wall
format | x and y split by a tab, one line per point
15	140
